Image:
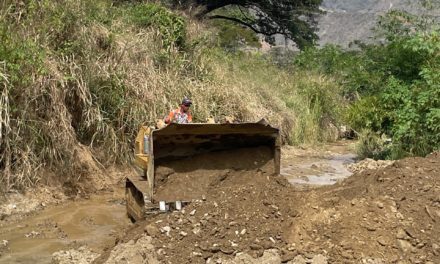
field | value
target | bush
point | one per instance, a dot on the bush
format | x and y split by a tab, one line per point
371	145
172	27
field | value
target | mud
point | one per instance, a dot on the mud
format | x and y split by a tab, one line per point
191	178
95	222
387	215
308	168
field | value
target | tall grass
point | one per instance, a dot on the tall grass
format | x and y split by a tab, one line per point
85	72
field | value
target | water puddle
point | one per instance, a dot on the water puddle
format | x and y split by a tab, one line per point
318	169
94	222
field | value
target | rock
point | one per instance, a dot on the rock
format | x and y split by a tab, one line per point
182	233
233	223
319	259
243	232
215	248
255	246
32	234
436	249
373	261
166	230
151	230
227	251
196	230
193	212
267	244
371	228
404	245
380	205
81	255
401	234
381	241
298	260
288	256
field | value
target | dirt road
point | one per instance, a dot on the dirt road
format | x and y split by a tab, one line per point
385	215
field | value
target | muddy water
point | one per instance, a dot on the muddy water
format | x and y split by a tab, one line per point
94	222
324	166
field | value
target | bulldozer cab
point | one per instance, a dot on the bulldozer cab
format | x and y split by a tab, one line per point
184	148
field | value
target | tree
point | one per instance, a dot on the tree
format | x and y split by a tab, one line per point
295	19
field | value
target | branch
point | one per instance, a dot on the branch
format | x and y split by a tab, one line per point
241	22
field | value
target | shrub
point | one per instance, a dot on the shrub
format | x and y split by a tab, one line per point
172	27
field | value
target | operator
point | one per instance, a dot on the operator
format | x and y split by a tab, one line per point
181	115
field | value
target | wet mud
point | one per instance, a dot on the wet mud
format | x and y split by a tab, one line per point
327	165
98	222
95	222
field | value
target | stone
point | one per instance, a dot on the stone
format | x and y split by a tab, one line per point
319	259
401	234
404	245
436	249
255	246
151	230
381	241
287	257
298	260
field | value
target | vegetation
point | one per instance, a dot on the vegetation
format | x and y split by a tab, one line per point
394	87
293	18
75	73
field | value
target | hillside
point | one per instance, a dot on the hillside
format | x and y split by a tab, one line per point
79	78
348	20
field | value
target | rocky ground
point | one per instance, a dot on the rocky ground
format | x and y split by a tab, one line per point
387	212
385	215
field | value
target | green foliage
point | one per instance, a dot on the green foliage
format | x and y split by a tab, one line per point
109	94
355	71
396	24
371	145
293	18
232	36
172	27
395	88
415	103
367	113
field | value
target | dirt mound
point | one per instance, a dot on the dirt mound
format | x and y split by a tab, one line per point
369	164
244	213
191	178
389	215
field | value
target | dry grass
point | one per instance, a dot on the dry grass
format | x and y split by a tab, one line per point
110	80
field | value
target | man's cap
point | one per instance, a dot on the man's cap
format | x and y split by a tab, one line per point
186	101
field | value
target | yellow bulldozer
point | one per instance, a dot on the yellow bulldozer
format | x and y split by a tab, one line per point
156	149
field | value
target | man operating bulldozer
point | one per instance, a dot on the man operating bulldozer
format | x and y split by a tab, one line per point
181	115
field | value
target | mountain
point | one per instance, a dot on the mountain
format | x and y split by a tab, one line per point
347	20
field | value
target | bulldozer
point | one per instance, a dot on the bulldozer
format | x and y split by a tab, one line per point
185	142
